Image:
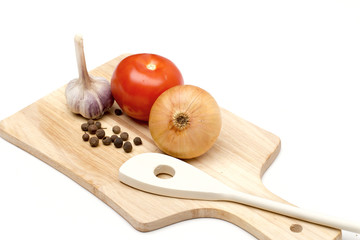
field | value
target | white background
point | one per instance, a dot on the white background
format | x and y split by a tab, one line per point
290	67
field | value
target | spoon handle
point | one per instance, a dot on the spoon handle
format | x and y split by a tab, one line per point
292	211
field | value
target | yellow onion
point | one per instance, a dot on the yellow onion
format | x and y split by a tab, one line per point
185	121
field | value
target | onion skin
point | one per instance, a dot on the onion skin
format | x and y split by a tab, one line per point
185	121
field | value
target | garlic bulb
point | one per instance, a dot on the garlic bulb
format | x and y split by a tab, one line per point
87	95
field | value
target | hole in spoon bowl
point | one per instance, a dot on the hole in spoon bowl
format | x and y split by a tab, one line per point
164	172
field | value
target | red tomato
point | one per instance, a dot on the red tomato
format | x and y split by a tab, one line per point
138	81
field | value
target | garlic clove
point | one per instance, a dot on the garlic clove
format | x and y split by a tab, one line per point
87	95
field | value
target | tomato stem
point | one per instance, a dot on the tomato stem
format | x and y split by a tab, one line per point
151	66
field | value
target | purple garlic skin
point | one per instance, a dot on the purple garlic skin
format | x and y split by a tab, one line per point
90	102
87	95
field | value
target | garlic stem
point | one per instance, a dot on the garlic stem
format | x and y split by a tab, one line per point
81	63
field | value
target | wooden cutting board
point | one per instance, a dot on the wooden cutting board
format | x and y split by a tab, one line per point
239	158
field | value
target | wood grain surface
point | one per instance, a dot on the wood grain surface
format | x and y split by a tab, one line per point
239	158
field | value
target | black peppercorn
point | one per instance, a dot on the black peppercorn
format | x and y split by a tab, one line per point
118	112
124	136
92	129
84	126
116	129
113	137
127	147
98	125
85	137
106	140
137	141
118	142
90	121
100	133
94	141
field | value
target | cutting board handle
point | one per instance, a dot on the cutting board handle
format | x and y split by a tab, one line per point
291	211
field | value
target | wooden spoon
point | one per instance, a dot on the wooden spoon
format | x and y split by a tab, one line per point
186	181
